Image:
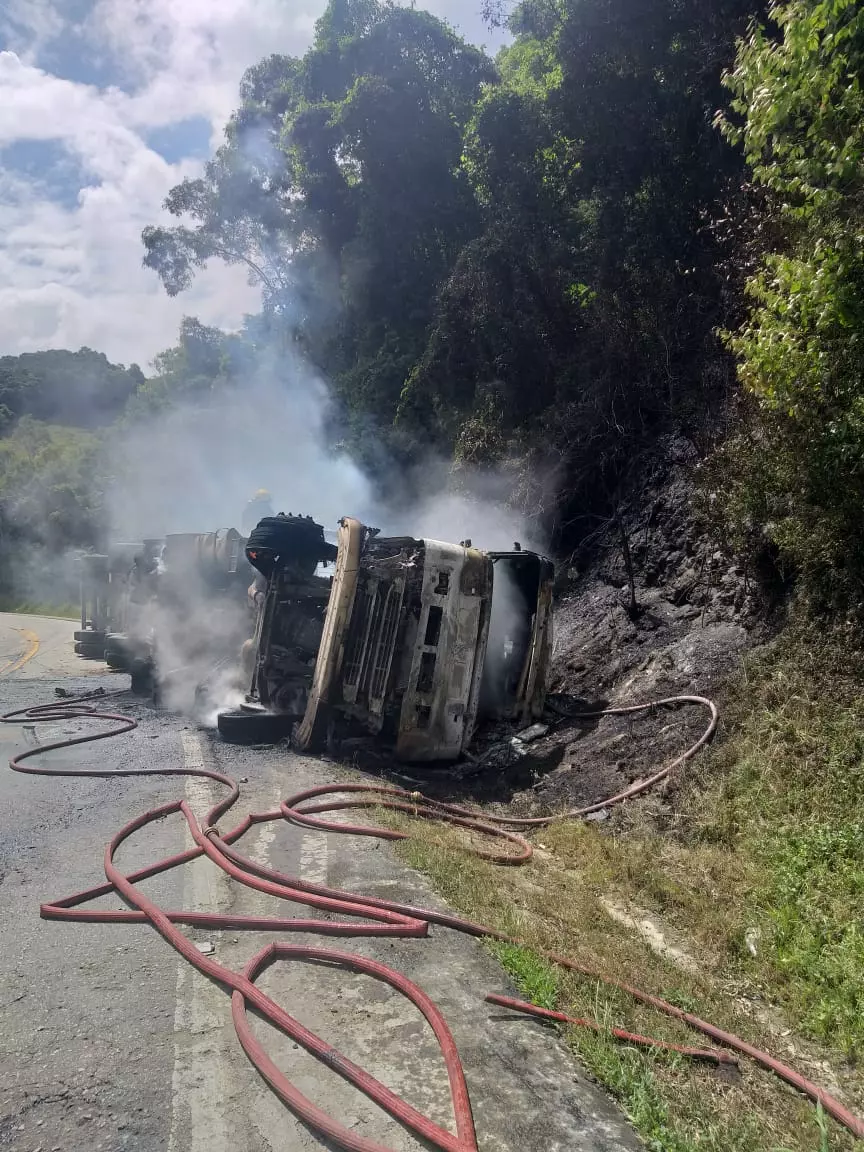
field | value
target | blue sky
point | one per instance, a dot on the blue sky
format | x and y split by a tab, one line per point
104	106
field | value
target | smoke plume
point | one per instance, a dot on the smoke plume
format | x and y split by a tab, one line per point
194	466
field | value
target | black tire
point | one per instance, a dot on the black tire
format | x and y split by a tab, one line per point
116	644
282	539
142	678
90	651
239	727
91	638
119	661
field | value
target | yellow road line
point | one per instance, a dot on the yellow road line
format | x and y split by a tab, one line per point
17	664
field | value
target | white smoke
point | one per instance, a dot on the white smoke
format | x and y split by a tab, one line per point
194	466
466	505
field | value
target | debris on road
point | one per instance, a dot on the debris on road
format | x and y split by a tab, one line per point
535	732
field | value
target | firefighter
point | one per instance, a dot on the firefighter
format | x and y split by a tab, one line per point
258	507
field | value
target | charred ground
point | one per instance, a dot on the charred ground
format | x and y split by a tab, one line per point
698	611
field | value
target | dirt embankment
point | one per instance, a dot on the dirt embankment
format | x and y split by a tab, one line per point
697	612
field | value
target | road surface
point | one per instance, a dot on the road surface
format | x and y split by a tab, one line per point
40	647
110	1041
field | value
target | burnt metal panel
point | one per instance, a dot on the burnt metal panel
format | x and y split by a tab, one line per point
357	642
380	667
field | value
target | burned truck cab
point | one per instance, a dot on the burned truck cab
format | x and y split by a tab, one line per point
413	646
409	642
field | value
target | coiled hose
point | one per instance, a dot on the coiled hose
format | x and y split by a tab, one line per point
380	918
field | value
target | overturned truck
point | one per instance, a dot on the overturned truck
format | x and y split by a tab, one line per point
408	641
169	609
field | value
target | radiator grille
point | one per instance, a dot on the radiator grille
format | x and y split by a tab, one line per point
369	650
357	639
389	622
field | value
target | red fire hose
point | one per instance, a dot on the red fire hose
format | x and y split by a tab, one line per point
711	1055
380	917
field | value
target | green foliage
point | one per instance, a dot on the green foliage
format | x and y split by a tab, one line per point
50	484
798	111
589	304
798	106
522	259
536	979
339	184
53	472
446	239
81	388
11	603
812	900
530	67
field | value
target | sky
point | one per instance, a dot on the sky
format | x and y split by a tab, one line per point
105	105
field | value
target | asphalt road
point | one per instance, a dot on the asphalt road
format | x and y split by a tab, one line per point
110	1041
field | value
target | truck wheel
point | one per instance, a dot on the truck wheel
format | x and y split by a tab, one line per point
89	651
89	637
239	727
142	678
117	654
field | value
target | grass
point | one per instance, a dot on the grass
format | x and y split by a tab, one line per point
766	846
786	794
34	608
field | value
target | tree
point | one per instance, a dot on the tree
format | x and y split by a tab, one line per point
51	485
339	188
204	361
585	316
82	389
496	262
798	110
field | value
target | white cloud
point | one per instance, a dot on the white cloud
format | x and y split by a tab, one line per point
191	55
73	275
27	25
69	278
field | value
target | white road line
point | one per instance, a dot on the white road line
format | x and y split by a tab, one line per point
313	857
266	1115
201	1074
313	849
202	1111
265	836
